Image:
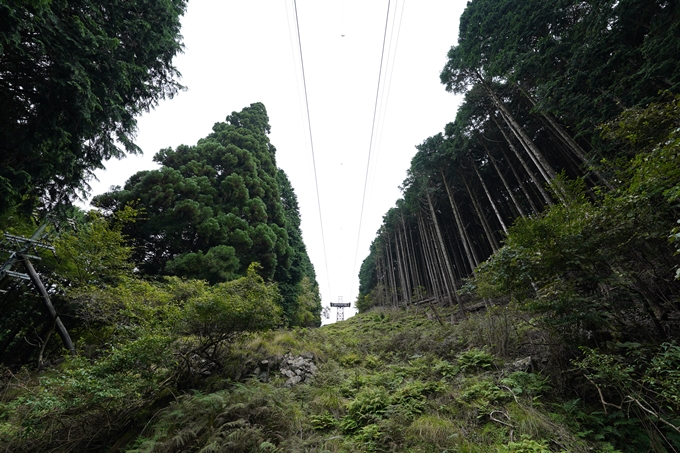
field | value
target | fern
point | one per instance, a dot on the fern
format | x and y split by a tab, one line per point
246	418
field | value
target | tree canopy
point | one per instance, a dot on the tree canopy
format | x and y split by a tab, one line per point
539	80
74	74
214	208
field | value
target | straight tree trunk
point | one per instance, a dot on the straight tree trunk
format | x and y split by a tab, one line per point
439	266
438	256
485	225
405	265
380	268
435	265
418	279
460	268
520	182
473	248
429	264
459	224
490	198
505	183
393	280
405	293
445	255
411	258
531	174
536	155
517	129
388	280
571	144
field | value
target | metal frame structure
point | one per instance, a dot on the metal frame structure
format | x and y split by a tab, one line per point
20	249
340	306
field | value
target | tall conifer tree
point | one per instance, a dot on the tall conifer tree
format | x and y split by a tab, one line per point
215	207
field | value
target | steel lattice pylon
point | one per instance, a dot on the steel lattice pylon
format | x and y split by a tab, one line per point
340	307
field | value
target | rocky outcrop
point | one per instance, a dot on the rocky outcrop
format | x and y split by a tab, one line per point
300	369
524	364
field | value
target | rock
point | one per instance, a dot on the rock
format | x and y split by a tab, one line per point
298	369
294	380
522	364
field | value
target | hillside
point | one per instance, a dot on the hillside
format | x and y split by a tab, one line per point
386	380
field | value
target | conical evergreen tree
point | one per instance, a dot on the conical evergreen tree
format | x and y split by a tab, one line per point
215	207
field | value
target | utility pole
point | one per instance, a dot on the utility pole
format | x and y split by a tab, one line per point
340	306
20	250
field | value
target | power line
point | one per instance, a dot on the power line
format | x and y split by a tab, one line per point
384	98
311	141
295	66
370	145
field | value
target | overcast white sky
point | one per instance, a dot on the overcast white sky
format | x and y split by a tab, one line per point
240	52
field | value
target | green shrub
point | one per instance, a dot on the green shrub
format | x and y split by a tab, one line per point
350	360
528	384
244	419
638	389
329	400
245	304
368	407
475	360
524	446
323	422
369	436
482	393
445	369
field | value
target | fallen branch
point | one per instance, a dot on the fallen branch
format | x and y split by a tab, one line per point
512	393
629	399
510	425
604	403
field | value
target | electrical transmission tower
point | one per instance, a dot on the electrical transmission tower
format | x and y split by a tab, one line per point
340	306
21	250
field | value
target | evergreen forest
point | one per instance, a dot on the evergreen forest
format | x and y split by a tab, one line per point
522	296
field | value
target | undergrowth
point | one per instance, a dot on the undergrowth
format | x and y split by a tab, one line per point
387	380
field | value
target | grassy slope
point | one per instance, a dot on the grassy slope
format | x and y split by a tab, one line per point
394	380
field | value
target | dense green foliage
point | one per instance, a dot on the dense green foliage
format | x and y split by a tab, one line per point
539	79
388	380
91	254
211	209
297	282
73	77
214	208
94	284
557	190
606	268
582	61
137	342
